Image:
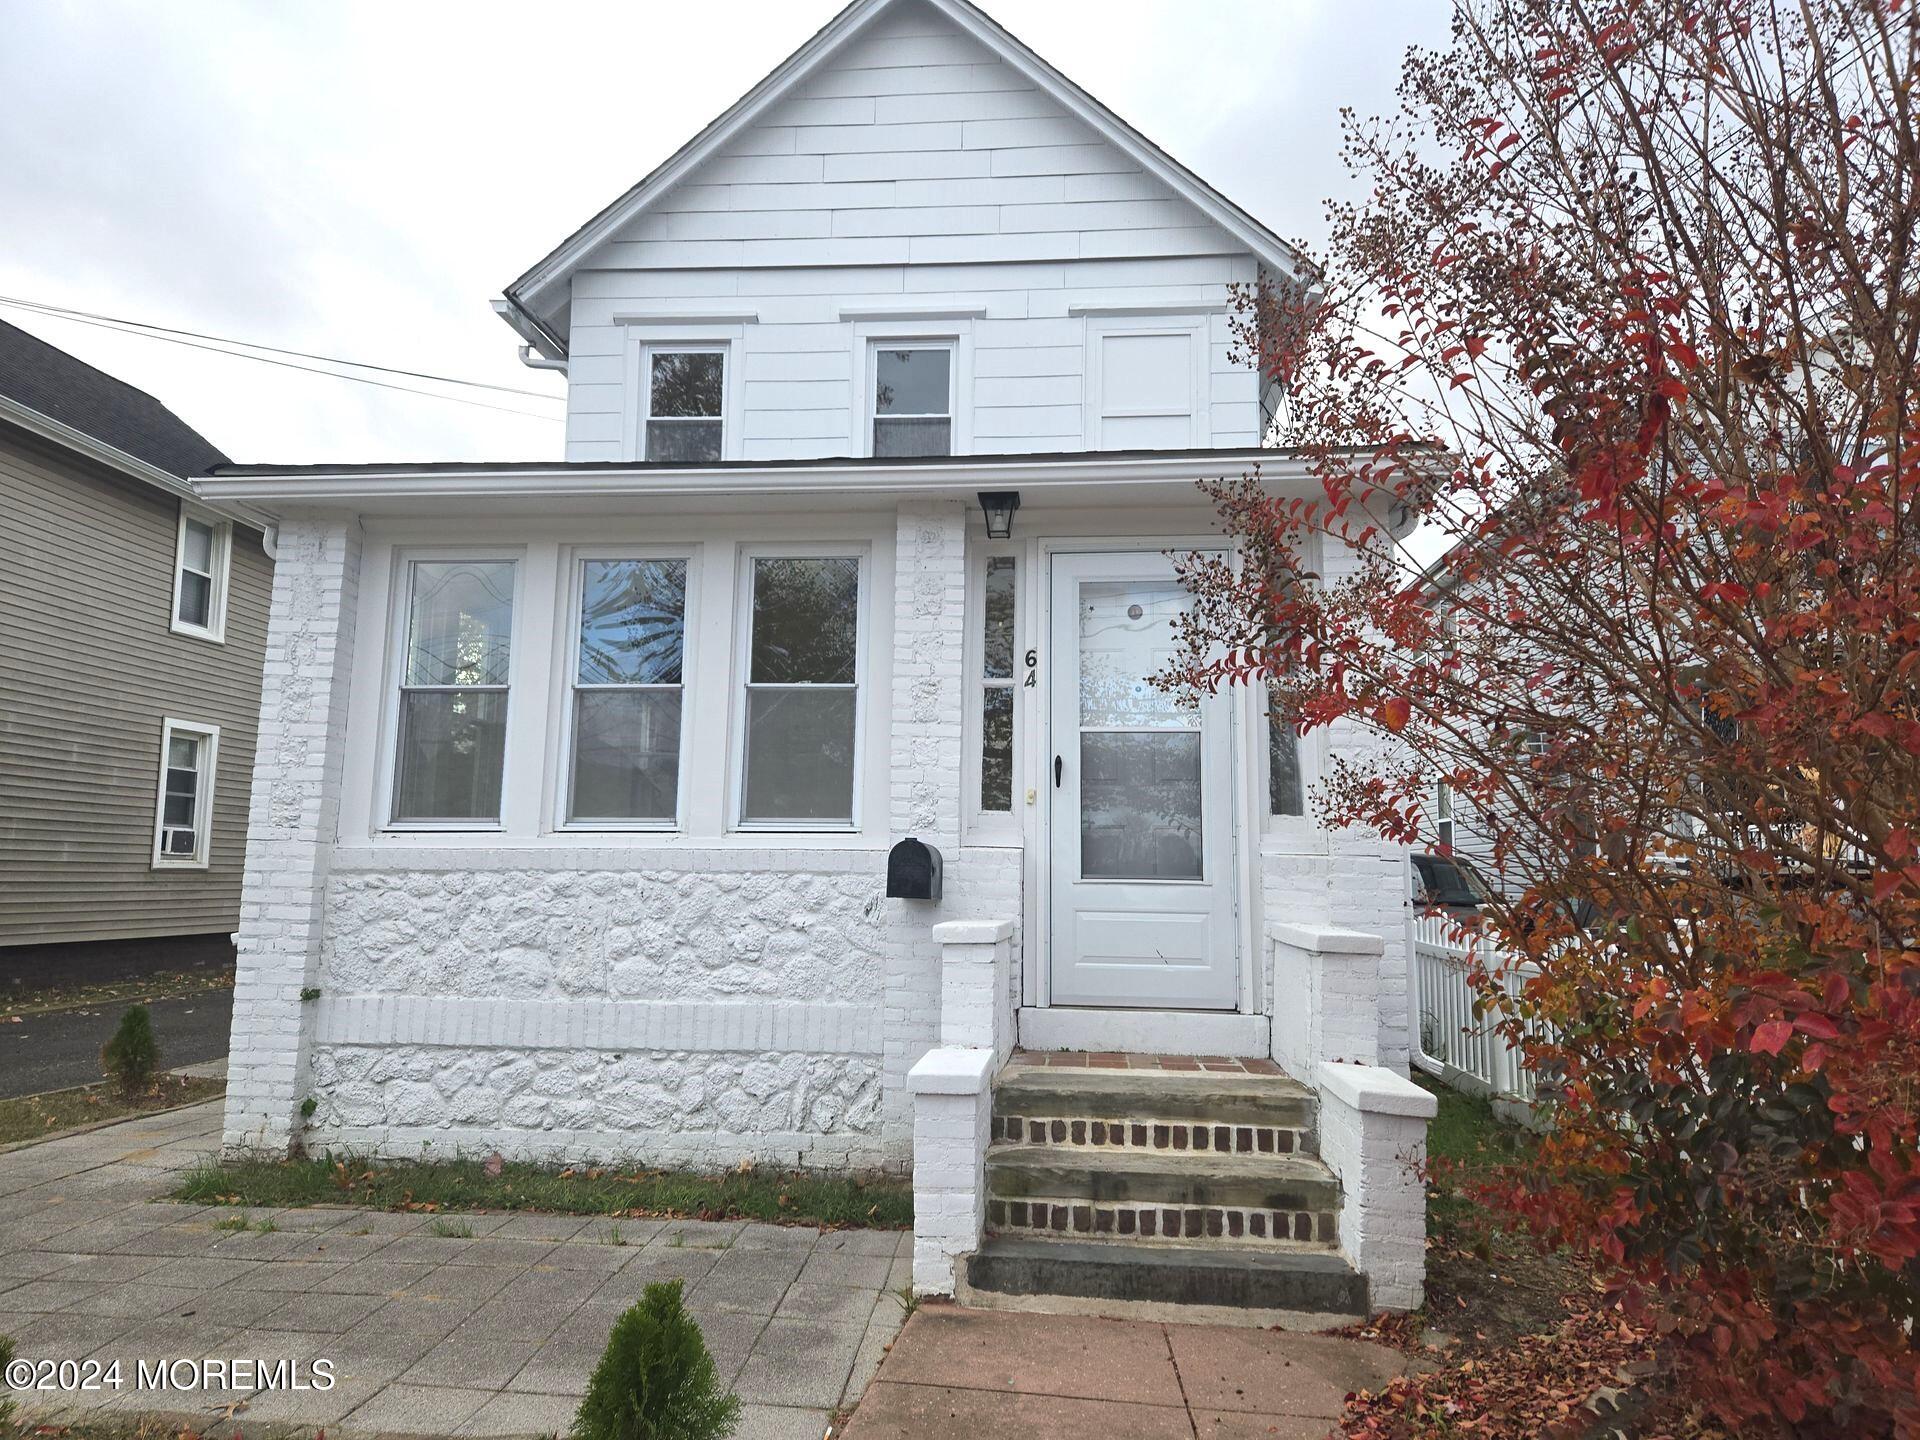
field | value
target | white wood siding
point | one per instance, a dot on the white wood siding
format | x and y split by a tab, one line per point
916	171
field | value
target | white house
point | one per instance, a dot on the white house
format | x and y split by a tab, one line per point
578	780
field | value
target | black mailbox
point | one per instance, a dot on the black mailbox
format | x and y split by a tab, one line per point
913	871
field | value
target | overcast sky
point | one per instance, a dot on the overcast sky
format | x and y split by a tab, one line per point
360	179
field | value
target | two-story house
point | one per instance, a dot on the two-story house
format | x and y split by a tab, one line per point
599	799
133	617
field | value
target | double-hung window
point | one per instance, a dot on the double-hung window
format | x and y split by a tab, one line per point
183	818
202	554
686	390
629	671
912	394
802	691
452	726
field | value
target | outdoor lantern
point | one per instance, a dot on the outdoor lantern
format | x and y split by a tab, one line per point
999	505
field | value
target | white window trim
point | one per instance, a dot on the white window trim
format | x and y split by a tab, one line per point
862	555
222	561
996	827
573	570
637	393
1199	388
202	801
400	602
871	337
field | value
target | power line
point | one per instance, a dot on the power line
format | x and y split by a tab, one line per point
217	345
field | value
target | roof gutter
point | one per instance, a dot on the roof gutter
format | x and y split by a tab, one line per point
358	487
551	349
45	427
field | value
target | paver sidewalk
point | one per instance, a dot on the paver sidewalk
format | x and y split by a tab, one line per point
959	1374
494	1335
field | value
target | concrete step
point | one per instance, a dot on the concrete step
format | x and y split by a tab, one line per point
1048	1092
1204	1199
1311	1282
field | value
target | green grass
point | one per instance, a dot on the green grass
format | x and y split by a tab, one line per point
1465	1140
791	1198
33	1117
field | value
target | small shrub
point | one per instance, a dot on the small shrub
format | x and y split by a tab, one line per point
656	1381
131	1056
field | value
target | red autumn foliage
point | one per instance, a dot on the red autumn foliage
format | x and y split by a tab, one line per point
1631	312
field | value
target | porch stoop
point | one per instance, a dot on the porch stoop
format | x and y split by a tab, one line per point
1161	1182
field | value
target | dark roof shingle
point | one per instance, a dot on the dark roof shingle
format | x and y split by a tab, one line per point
52	382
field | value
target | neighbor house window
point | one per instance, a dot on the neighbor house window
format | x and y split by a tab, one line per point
912	399
686	391
202	554
452	727
627	684
997	650
802	692
183	819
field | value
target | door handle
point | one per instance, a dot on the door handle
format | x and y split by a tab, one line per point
1056	772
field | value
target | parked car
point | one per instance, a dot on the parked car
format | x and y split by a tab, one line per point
1449	882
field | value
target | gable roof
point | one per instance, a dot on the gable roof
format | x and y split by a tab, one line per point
49	384
525	307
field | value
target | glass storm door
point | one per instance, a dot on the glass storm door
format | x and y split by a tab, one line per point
1142	894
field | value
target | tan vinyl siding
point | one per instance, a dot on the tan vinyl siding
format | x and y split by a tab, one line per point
89	668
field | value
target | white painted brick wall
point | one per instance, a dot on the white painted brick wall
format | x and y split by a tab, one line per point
1373	1135
291	825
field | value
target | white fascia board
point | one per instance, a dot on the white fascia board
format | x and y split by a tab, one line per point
1270	249
370	489
101	453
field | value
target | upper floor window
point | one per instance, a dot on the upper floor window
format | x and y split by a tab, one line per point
202	557
802	691
629	675
912	399
183	820
452	726
685	419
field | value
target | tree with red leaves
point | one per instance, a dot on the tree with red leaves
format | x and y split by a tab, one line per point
1631	311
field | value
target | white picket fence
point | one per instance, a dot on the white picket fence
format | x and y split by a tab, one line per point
1454	1044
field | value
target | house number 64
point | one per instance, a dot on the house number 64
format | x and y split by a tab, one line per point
1033	664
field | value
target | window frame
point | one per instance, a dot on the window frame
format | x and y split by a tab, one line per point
574	562
872	336
637	392
400	606
742	685
220	578
951	347
202	857
982	826
1197	332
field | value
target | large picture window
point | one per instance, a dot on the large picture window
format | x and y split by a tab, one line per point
627	692
685	422
183	819
802	691
453	690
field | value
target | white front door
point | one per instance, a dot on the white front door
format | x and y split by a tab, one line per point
1141	799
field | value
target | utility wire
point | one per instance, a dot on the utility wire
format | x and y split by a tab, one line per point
217	345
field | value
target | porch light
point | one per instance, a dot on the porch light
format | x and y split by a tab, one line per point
999	505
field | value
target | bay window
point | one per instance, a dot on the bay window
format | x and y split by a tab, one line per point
628	675
802	691
452	723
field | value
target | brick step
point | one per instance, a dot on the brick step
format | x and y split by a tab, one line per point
1154	1111
1311	1282
1267	1200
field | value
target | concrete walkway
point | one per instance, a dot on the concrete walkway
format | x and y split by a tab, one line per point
965	1374
493	1335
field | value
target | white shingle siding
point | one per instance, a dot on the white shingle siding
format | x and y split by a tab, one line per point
955	184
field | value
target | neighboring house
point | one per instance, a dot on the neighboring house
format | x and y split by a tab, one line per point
133	618
585	784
